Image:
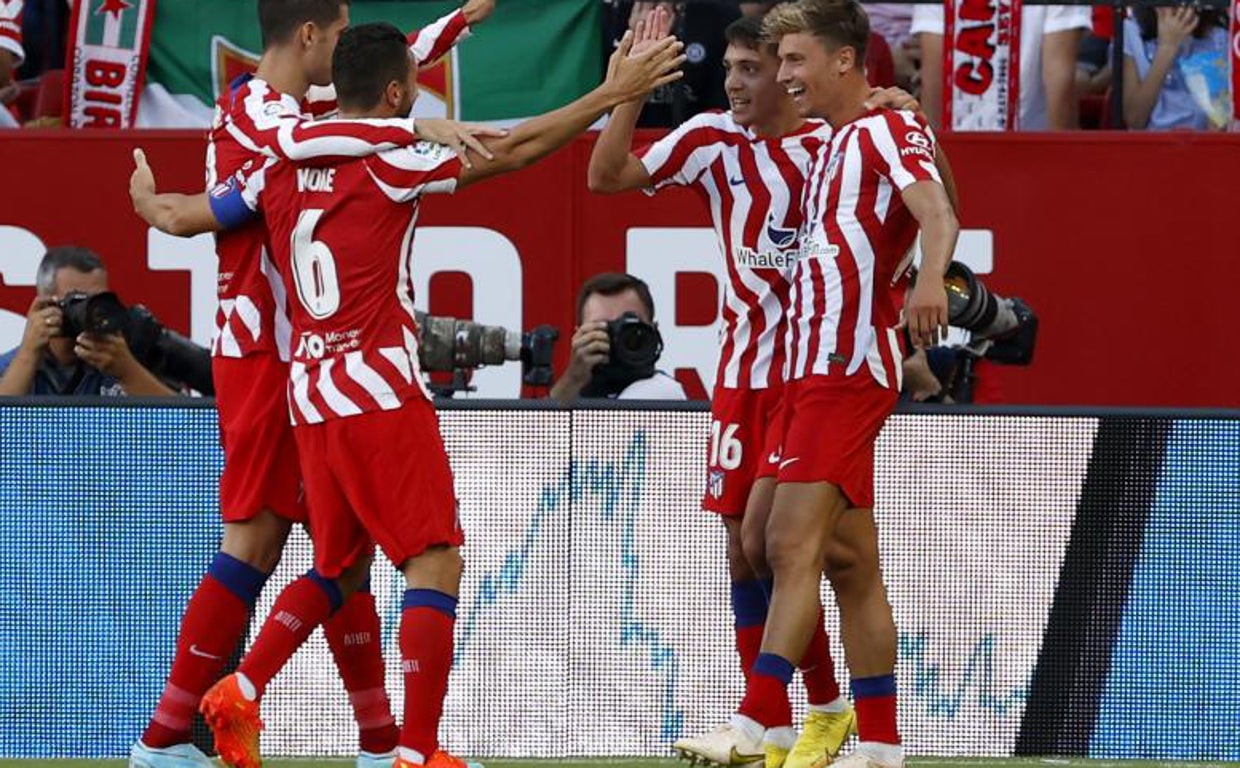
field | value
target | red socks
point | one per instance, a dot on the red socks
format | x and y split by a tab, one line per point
766	692
214	622
302	606
426	647
353	636
876	709
818	668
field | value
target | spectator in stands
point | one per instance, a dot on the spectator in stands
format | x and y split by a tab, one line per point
48	363
591	371
1176	69
1050	36
12	53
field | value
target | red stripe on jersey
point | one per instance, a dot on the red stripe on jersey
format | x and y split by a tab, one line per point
759	210
720	177
433	42
350	388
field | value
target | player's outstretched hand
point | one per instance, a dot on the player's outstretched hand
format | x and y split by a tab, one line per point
925	313
655	25
892	98
632	77
460	137
142	181
477	11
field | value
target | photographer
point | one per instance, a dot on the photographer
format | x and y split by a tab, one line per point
51	363
616	344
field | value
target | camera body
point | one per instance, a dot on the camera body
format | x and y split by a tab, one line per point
165	353
634	348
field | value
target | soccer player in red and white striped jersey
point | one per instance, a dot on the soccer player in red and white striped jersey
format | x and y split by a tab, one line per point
261	119
373	463
750	165
869	192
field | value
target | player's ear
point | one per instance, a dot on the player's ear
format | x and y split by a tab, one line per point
306	33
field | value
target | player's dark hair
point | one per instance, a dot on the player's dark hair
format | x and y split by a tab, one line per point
65	256
841	23
611	284
279	19
367	58
747	33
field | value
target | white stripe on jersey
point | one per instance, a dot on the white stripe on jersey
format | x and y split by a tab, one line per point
370	380
301	385
336	400
283	326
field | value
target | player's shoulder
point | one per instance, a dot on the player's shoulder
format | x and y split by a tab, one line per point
898	124
420	156
711	120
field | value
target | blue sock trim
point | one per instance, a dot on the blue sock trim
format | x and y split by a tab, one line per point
774	665
239	577
430	598
748	603
768	586
329	586
874	687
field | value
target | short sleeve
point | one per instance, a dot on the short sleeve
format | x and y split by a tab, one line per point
425	168
905	148
930	18
682	156
1061	18
11	28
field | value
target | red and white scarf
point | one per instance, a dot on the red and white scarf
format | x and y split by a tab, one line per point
981	65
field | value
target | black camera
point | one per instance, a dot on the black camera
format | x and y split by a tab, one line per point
166	354
634	347
448	344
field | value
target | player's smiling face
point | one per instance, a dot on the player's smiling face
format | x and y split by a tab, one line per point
749	80
807	71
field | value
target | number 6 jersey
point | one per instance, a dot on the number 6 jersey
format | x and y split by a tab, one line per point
342	239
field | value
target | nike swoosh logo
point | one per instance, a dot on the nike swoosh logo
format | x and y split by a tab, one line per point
736	181
203	654
773	458
788	462
736	758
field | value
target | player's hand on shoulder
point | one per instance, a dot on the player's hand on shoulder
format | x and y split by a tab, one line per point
477	11
460	137
43	322
893	98
633	76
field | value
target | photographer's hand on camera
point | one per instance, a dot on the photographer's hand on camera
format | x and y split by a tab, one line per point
110	353
591	348
43	323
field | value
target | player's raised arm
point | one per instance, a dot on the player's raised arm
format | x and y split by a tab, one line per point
628	78
613	165
434	41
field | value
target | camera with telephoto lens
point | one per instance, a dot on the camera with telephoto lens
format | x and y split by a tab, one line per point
1002	330
449	344
166	354
634	347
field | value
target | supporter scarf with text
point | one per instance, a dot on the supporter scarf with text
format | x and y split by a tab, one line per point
108	48
981	65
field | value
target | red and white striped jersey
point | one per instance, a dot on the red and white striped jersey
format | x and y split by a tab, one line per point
342	237
753	186
254	123
857	247
11	28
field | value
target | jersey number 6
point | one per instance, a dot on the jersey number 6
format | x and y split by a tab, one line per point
314	269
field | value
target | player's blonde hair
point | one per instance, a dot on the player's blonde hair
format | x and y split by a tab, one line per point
837	22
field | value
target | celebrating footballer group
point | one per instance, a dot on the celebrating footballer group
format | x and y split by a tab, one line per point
817	187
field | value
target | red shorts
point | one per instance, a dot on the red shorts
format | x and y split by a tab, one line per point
260	454
377	478
830	425
745	428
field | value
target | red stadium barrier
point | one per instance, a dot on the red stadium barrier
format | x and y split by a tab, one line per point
1119	241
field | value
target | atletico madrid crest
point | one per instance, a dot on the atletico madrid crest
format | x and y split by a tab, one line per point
714	484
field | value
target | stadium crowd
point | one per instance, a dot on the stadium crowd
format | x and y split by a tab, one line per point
1065	61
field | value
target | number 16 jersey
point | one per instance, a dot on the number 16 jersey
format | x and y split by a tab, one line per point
342	238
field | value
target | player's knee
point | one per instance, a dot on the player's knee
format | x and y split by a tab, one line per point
258	543
738	562
790	553
439	568
754	546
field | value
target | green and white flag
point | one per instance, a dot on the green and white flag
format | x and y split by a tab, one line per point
530	57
